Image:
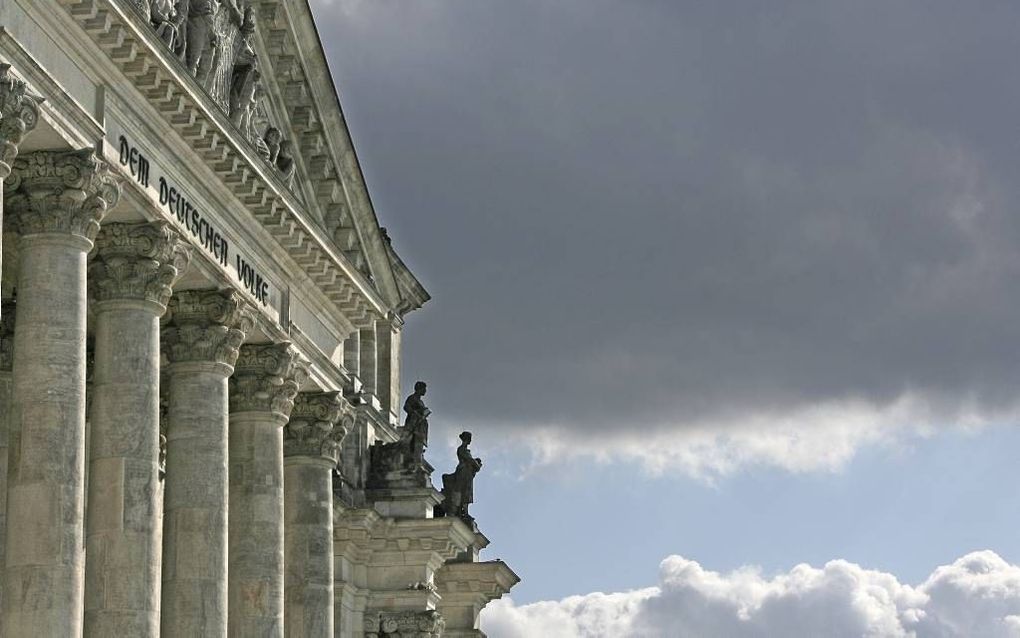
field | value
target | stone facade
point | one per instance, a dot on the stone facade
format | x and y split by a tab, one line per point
200	332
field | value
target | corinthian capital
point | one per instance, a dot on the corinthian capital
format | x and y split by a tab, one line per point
427	624
318	425
61	192
266	378
19	113
206	326
137	261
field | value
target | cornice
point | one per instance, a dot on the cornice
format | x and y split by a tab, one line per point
490	579
136	50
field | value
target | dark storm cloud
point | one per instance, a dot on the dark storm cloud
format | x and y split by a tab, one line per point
639	214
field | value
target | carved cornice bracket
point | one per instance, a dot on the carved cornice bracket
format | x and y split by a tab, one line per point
19	114
318	424
206	326
266	379
137	261
60	192
423	624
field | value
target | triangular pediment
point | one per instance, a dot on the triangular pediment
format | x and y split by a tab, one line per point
267	71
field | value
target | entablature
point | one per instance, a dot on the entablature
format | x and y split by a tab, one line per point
135	48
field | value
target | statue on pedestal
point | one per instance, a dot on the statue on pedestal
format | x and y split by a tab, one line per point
459	487
416	425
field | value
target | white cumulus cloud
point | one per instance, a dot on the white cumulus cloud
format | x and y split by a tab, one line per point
977	596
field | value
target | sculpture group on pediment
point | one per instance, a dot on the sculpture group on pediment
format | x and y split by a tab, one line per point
215	41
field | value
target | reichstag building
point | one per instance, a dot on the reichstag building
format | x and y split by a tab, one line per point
202	430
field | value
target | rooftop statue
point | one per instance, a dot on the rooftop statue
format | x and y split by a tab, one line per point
459	487
416	425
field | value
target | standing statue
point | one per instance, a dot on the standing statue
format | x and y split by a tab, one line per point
200	36
416	425
459	487
285	162
164	21
271	141
244	76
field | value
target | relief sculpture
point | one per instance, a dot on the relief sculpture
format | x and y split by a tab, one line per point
215	41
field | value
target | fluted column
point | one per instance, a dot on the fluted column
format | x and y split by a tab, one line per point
262	389
19	114
201	342
130	281
57	200
6	359
311	448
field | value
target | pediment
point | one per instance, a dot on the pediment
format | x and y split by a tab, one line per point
262	63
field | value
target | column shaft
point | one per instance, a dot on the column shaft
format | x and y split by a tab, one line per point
45	567
194	601
256	525
123	534
6	354
201	341
369	357
308	511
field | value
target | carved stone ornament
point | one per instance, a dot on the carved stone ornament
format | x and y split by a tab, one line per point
215	41
19	114
60	192
315	429
7	316
206	325
266	378
137	261
419	624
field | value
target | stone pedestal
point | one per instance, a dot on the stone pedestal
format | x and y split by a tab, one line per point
130	281
201	343
56	201
311	448
466	588
407	502
19	114
262	389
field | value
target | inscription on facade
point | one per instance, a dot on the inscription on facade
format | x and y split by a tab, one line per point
190	217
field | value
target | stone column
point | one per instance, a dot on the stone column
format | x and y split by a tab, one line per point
6	359
201	343
57	200
311	448
388	363
130	280
369	356
352	355
19	114
266	378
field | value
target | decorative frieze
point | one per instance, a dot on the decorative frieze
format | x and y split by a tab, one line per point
19	114
420	624
207	325
318	424
137	261
266	378
60	192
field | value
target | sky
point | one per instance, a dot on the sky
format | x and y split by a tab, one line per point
726	292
